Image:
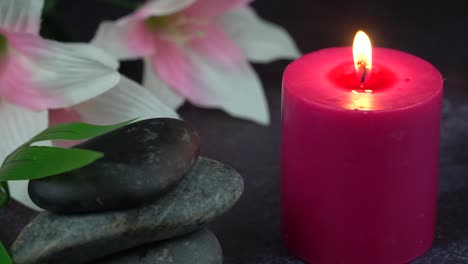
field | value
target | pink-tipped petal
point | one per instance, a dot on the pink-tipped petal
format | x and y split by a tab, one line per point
159	88
162	8
61	116
43	74
261	40
16	82
21	15
18	126
172	66
213	8
124	39
126	101
211	42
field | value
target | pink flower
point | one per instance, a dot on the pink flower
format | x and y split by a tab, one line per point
43	79
199	50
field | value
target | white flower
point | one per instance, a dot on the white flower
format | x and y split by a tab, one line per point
199	50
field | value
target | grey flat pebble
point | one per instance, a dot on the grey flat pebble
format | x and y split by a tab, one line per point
142	161
209	190
201	247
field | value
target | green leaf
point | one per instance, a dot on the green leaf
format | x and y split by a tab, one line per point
75	131
4	257
4	194
49	6
35	162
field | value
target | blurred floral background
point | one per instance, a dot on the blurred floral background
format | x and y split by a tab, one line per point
192	50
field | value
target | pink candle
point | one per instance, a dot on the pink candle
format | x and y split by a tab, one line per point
360	162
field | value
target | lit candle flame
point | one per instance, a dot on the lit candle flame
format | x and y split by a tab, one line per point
362	54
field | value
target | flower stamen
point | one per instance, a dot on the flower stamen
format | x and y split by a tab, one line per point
172	27
158	23
3	44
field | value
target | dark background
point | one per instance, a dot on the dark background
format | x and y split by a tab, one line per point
249	233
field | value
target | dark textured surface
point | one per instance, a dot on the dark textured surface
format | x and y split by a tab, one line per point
206	192
201	247
142	161
434	30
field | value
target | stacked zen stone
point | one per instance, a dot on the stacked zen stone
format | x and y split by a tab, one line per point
145	202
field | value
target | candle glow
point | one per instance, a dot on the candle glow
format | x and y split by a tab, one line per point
362	54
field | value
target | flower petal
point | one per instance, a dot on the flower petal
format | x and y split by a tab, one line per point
63	115
213	8
126	101
235	89
21	15
124	39
261	40
48	74
172	65
159	88
18	126
162	8
60	116
216	45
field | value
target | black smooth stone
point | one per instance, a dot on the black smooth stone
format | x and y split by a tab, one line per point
208	191
142	161
201	247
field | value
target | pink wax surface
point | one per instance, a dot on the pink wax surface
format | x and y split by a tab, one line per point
359	165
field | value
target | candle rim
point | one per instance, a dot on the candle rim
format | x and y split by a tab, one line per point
302	59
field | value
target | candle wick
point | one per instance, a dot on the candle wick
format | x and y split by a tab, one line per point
364	73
